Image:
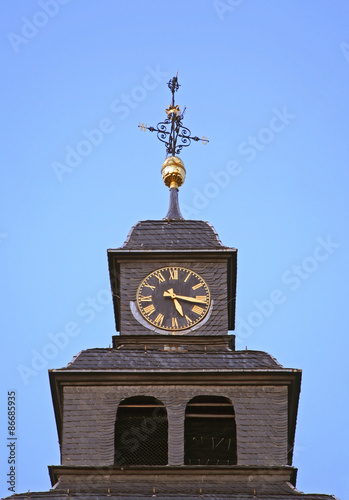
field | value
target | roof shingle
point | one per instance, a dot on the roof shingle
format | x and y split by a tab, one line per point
125	358
174	234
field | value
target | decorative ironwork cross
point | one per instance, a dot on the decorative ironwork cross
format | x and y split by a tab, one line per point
171	131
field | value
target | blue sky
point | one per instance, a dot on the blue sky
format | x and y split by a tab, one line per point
267	83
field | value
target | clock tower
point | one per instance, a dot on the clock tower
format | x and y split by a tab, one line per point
164	285
171	409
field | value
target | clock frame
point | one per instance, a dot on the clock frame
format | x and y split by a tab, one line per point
173	298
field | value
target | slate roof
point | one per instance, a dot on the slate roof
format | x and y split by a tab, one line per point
171	235
215	359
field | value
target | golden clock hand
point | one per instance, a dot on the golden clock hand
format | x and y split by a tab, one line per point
189	299
170	293
178	306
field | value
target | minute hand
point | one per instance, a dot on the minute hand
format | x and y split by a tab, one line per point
190	299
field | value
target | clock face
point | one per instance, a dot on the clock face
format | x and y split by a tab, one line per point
173	298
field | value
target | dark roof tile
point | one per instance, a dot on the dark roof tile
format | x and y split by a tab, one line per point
126	359
167	235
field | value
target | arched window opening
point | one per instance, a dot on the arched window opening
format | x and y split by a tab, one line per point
141	431
210	431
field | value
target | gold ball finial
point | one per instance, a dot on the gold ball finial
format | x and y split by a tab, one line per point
173	172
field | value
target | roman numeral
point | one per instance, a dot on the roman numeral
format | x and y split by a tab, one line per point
174	323
173	273
150	286
197	310
188	319
201	298
160	277
195	287
159	319
149	309
187	277
146	299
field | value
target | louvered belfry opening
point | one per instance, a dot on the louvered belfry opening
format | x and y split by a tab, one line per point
141	432
210	431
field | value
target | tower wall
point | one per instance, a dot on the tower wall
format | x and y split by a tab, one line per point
90	412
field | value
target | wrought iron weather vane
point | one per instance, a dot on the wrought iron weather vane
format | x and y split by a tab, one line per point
175	136
171	131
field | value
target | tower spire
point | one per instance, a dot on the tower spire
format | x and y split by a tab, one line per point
175	137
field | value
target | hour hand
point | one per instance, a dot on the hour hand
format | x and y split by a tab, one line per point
171	294
178	306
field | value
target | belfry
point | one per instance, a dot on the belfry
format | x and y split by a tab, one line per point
171	409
